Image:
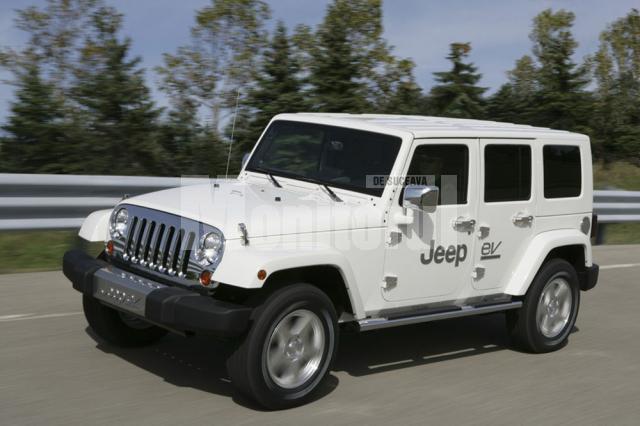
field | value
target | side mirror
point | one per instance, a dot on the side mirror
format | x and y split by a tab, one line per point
245	159
421	197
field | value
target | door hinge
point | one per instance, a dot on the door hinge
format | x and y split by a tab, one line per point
483	231
394	238
389	282
478	272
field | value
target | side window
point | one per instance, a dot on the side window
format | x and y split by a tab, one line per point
507	173
562	171
444	166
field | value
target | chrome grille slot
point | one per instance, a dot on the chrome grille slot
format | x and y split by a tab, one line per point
171	251
147	244
138	239
130	237
155	246
162	243
166	248
185	254
176	252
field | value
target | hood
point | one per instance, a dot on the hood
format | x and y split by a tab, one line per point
264	209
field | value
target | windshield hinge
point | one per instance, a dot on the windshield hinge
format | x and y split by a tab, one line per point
244	234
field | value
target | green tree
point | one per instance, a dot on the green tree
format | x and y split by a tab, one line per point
226	41
456	93
561	101
404	95
351	66
616	67
55	33
514	100
277	89
35	141
120	119
337	72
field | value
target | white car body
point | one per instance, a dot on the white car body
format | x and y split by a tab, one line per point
372	241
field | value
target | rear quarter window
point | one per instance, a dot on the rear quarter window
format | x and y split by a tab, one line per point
562	171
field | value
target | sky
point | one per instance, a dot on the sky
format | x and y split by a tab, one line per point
419	29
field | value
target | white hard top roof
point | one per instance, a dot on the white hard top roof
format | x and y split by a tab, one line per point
429	127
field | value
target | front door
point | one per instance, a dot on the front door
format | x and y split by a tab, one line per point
430	258
505	211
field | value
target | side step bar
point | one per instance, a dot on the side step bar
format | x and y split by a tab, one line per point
464	311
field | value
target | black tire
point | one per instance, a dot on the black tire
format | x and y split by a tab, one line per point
247	365
109	325
523	325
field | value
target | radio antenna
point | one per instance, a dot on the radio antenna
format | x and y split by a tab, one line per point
233	129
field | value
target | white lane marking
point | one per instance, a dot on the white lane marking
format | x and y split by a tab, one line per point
621	265
13	317
20	317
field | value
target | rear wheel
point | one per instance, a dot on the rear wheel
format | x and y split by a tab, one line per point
549	311
288	351
119	328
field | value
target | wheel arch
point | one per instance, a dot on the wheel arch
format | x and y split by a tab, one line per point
570	245
326	277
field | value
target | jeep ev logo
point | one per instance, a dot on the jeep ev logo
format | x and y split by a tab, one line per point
452	254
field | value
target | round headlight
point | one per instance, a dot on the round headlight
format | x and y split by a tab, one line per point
120	224
210	248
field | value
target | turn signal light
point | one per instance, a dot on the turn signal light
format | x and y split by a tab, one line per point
110	247
205	278
262	274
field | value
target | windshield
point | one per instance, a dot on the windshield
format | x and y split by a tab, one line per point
334	156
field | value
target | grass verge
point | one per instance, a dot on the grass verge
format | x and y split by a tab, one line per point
618	175
31	251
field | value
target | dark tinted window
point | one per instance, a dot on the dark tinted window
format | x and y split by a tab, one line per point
562	171
444	166
335	156
507	173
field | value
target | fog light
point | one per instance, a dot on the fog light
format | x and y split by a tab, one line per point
205	278
110	247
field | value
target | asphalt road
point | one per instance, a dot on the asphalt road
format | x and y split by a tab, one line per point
53	371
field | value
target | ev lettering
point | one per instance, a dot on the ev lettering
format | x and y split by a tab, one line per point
452	254
488	251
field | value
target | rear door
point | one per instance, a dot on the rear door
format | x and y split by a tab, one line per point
506	207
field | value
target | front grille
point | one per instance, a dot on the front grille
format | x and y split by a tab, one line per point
161	242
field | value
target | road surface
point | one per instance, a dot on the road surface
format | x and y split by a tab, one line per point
53	371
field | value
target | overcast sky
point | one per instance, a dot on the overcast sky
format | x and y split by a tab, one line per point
419	29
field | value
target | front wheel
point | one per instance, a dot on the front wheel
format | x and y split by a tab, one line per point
288	351
549	311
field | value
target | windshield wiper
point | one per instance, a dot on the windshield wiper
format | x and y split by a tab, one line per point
274	181
269	175
332	194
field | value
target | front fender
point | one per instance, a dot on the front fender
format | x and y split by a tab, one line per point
540	247
240	264
96	226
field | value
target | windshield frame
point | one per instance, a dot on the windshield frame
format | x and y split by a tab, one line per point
372	192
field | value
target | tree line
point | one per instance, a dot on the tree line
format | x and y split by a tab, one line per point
82	104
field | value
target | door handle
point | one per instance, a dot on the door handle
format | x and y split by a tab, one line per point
522	219
464	224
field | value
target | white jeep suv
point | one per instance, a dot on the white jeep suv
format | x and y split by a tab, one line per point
372	221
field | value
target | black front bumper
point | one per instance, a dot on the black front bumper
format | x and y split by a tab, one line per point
171	307
589	277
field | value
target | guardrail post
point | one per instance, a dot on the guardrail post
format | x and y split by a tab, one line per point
600	234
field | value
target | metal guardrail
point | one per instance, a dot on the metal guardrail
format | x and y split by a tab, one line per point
617	206
36	201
